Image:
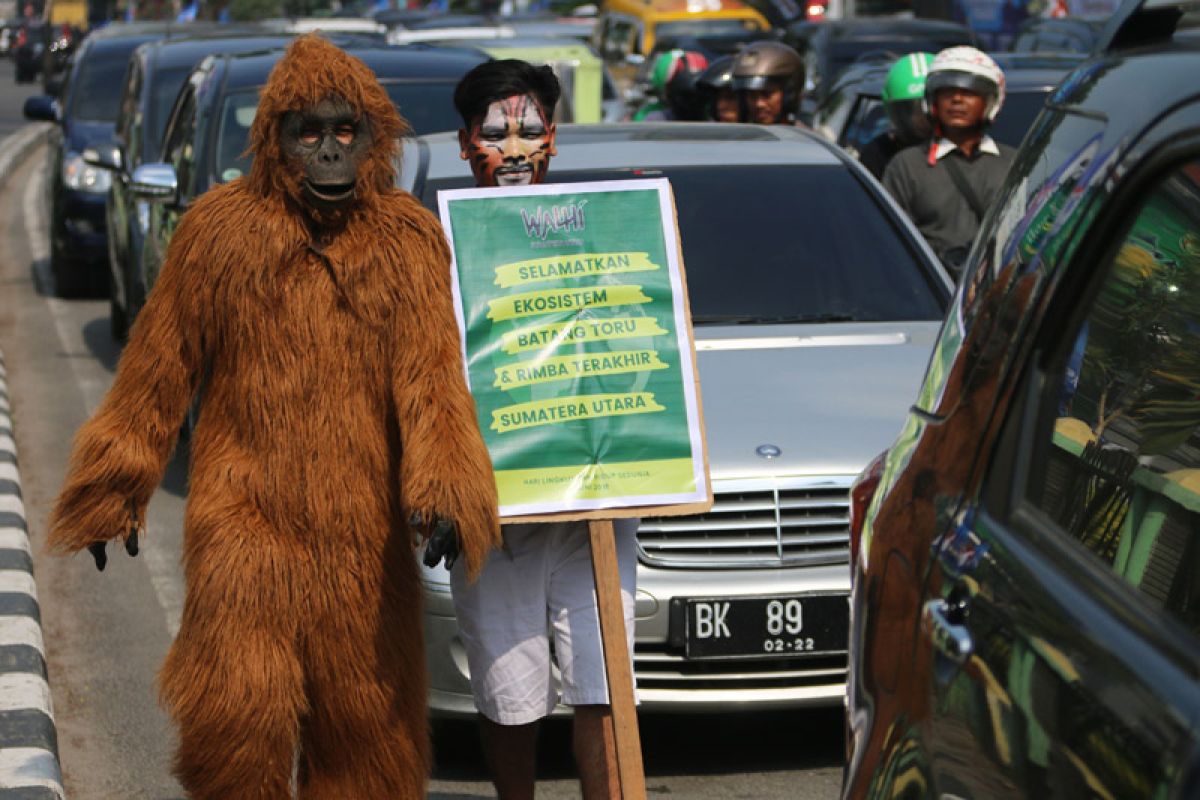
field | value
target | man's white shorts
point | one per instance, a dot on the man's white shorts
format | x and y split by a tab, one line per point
541	582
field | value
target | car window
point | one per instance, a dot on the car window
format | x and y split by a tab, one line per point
1017	115
701	28
428	107
166	84
620	39
129	117
867	120
767	244
1115	454
1043	204
178	148
96	94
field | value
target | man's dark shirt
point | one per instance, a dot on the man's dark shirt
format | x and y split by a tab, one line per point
932	201
878	153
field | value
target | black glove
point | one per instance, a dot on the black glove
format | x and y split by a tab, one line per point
443	543
101	557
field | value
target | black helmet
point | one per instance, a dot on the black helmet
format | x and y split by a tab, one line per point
683	95
761	64
718	77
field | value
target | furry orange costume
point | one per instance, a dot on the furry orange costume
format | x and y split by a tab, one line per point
334	407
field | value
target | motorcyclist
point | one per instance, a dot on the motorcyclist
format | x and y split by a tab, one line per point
947	183
904	103
672	82
769	79
715	86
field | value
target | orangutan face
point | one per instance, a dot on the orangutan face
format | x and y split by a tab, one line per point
511	145
329	142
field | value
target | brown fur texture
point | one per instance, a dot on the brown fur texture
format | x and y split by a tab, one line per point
334	406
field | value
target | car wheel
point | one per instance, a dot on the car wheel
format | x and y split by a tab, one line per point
118	322
67	280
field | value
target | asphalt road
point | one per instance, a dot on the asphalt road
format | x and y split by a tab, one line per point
106	633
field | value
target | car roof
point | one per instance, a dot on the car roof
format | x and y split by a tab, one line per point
250	70
1022	72
188	51
649	144
564	47
883	27
1131	87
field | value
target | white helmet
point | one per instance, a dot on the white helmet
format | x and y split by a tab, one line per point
966	68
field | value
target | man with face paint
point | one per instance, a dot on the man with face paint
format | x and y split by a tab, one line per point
542	578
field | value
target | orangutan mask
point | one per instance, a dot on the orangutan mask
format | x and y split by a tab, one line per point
511	145
328	142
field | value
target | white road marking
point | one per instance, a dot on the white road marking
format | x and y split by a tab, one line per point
162	566
10	502
8	472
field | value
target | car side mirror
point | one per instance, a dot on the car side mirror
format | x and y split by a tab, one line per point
41	108
105	156
155	183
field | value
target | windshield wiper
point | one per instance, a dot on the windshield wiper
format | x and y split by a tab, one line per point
759	319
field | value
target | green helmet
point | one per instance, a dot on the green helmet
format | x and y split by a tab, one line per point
906	79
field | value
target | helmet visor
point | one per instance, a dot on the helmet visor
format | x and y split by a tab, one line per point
960	80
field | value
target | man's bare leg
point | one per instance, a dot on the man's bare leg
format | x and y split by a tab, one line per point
511	755
596	753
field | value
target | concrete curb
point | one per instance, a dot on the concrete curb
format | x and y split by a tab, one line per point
29	766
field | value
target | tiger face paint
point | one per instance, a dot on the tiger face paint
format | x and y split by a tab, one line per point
511	144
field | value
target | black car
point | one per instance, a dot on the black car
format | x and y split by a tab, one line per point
207	132
853	114
26	50
156	72
1026	571
85	110
831	46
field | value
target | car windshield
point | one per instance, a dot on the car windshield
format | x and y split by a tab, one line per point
702	28
428	107
166	85
845	52
782	244
96	86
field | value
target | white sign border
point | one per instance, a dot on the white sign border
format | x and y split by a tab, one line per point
683	332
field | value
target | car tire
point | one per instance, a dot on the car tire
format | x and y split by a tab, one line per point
67	280
118	320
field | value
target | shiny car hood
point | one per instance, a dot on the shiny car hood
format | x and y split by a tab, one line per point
830	397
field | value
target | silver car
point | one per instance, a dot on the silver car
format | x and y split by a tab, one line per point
815	305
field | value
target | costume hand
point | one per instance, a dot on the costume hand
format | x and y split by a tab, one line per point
101	557
443	542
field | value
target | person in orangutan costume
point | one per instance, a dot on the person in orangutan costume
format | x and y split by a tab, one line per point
336	428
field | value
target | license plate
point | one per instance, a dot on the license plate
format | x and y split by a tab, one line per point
761	627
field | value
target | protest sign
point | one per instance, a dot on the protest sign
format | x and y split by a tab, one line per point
572	307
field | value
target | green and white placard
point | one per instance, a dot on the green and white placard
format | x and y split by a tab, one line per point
572	307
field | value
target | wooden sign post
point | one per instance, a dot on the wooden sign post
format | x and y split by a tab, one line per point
616	660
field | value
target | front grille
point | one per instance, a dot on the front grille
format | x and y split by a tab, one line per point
657	667
796	526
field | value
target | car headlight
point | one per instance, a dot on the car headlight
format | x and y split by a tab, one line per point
81	176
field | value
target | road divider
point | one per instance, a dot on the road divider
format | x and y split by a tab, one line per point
29	765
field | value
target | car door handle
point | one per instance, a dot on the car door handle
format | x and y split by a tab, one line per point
949	638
